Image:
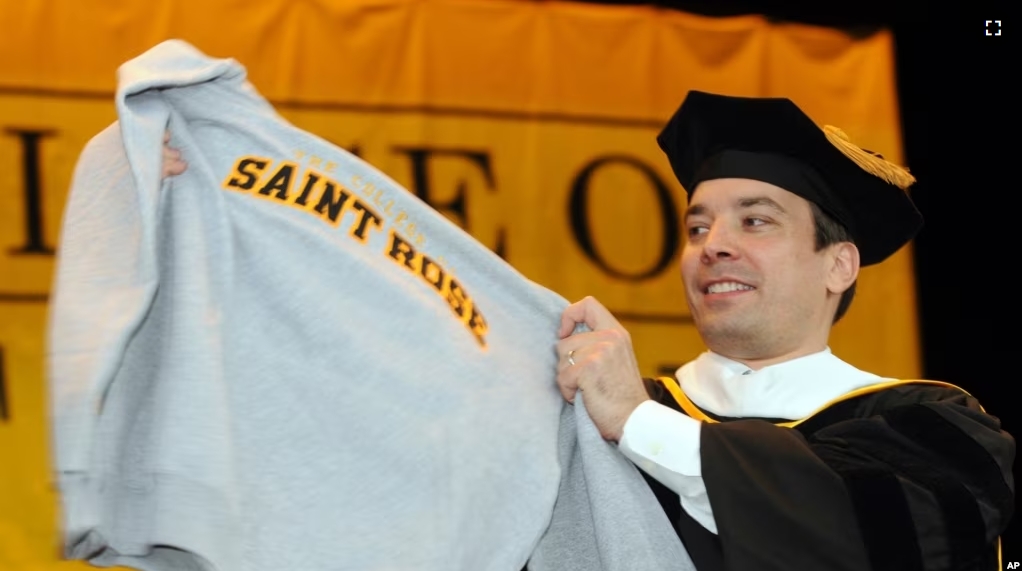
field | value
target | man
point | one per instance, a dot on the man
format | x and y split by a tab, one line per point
768	452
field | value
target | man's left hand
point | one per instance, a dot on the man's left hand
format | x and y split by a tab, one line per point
604	368
173	164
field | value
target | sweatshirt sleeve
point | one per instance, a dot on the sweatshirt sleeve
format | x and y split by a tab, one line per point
104	283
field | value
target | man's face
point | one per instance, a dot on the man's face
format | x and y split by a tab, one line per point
756	286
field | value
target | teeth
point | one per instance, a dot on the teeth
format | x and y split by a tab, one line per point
725	287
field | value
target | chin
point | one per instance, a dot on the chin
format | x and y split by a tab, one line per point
725	331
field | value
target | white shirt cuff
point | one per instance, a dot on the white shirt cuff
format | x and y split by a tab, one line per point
665	444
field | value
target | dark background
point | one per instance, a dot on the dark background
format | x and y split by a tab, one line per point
959	143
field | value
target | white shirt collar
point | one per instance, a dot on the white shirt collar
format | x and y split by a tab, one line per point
789	390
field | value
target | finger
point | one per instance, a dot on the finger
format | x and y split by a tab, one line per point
171	155
174	167
575	314
569	371
590	312
568	321
173	164
567	383
166	137
574	345
178	167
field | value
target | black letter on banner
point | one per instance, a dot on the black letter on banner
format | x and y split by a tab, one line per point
3	389
578	210
34	240
421	186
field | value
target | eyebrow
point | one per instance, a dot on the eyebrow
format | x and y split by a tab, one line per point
700	210
697	210
762	201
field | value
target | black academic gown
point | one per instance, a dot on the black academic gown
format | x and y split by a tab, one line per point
914	477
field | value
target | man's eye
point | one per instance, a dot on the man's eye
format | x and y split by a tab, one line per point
695	230
755	222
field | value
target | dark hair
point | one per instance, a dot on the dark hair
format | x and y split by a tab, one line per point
828	232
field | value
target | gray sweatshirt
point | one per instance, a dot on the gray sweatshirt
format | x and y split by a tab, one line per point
282	360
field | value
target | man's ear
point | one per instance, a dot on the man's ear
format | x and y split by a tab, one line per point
844	267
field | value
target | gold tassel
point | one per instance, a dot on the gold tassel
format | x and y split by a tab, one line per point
872	163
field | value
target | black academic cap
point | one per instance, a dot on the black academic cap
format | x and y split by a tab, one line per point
772	140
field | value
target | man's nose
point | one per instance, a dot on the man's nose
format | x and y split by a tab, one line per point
719	244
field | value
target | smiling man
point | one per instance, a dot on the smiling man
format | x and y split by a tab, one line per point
768	452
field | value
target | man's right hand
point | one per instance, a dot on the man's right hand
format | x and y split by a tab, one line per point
602	363
173	164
